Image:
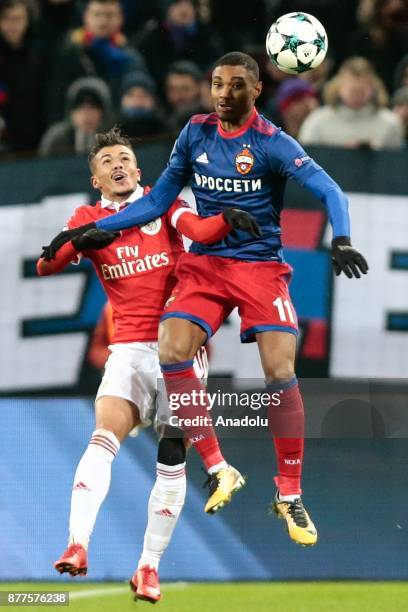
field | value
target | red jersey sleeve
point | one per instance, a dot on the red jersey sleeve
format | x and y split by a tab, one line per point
80	217
67	253
177	209
199	229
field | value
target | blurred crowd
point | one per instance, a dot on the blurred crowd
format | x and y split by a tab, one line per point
70	68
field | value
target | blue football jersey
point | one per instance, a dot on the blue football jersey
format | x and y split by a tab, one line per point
247	169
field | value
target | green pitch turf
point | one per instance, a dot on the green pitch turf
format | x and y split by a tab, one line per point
230	597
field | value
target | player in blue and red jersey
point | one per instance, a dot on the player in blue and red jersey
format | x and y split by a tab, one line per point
235	157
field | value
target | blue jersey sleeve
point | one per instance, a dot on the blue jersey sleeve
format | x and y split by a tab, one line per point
287	157
163	194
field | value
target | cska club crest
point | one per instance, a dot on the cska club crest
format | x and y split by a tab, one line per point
244	161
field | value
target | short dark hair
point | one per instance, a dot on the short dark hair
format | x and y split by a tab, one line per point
108	139
5	5
236	58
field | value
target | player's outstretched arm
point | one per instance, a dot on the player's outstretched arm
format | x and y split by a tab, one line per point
345	258
292	161
143	210
147	208
58	254
212	229
65	256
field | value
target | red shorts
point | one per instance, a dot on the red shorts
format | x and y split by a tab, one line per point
210	287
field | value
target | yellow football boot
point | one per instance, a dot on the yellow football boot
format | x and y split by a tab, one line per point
298	522
222	485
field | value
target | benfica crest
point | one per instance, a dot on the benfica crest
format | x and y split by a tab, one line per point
152	228
244	161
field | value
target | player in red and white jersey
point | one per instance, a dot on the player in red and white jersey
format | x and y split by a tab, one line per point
136	269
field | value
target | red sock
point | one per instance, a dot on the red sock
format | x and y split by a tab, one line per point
286	425
194	418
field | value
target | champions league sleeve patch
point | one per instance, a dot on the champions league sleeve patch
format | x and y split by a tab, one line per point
299	161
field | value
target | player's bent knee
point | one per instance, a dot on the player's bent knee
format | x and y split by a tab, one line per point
173	354
171	451
179	340
279	373
117	415
175	349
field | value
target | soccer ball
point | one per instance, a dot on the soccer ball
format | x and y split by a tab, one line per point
296	42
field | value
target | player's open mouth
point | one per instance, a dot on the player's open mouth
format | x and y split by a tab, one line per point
119	177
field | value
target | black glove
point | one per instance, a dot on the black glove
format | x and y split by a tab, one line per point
241	220
94	239
346	259
62	238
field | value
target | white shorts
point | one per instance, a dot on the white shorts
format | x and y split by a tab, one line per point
132	371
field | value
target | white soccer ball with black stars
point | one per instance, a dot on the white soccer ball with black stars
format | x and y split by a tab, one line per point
296	43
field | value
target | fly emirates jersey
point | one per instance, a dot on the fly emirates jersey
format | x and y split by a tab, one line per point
137	269
247	168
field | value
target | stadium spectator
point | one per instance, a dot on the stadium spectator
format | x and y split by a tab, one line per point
183	93
179	36
88	111
400	108
355	114
294	101
21	72
382	36
139	112
138	13
56	18
98	48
